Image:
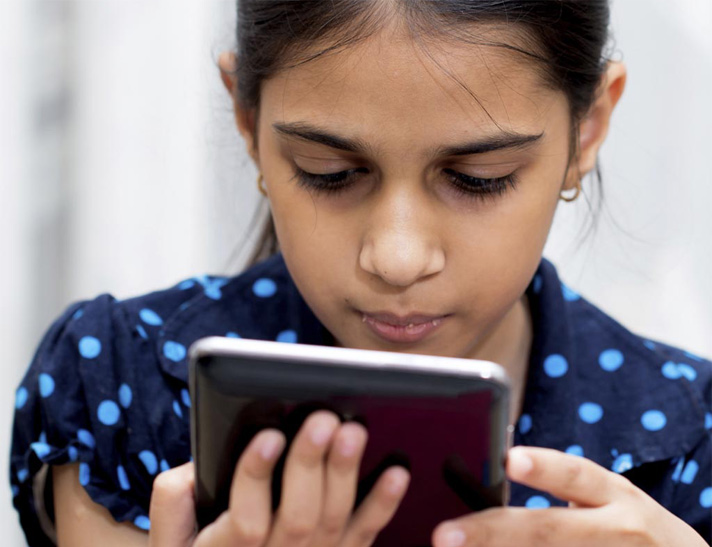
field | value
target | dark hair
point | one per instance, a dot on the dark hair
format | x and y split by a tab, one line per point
566	38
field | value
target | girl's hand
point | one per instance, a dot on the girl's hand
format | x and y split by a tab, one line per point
318	493
604	509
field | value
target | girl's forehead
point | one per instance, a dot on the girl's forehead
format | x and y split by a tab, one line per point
392	80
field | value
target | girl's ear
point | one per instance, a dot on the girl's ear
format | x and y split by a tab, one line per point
594	126
244	118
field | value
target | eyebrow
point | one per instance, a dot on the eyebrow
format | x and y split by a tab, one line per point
307	132
505	141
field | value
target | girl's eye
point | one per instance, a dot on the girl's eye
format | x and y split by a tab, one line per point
329	182
467	186
479	188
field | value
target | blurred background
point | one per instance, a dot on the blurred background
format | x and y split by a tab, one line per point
121	170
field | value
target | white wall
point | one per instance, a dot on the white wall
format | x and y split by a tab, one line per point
15	278
135	178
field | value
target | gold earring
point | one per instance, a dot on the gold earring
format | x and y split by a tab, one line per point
260	185
574	196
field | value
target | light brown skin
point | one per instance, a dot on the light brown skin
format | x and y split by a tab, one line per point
402	240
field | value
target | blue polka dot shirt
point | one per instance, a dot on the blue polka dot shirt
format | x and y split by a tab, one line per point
107	389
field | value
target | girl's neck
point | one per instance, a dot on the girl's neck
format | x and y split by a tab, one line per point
509	345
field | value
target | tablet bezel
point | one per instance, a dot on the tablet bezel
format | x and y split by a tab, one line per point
325	355
491	373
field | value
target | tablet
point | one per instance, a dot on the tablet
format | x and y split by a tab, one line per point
444	419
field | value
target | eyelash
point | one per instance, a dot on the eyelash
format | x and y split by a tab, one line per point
465	185
479	188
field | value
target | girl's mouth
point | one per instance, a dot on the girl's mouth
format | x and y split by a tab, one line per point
402	329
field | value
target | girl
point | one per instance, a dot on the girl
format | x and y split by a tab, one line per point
413	154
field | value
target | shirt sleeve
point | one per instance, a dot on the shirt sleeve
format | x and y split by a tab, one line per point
691	478
692	488
77	404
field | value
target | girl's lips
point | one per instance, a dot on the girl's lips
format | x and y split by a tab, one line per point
402	330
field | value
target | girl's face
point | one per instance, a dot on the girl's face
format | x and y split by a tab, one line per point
412	215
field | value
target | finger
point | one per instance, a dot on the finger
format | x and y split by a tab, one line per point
341	482
247	521
303	481
377	508
568	477
172	510
500	527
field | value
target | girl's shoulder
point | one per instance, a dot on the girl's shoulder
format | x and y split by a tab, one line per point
603	349
107	386
636	406
617	386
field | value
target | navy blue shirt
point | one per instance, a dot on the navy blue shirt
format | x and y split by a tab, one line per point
107	388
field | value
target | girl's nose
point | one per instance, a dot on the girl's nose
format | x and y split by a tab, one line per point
399	245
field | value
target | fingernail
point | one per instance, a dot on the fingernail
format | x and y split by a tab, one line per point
454	537
270	447
321	433
347	447
519	463
397	482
